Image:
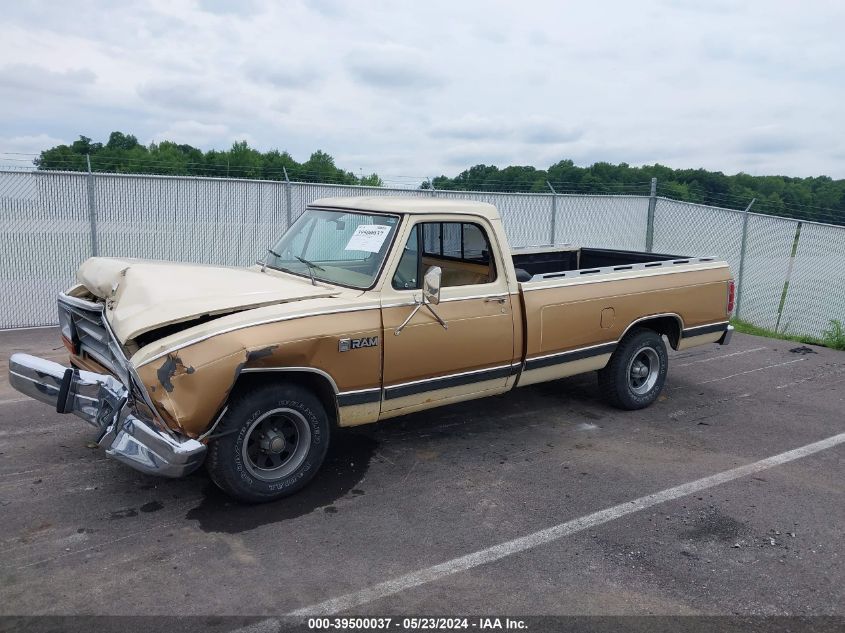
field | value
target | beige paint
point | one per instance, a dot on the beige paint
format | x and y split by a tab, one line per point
563	370
143	295
356	414
285	323
693	341
440	397
410	206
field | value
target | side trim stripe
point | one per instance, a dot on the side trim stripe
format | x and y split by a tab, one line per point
568	357
242	326
444	382
608	348
366	396
704	329
363	396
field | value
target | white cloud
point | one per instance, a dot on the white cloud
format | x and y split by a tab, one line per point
391	67
196	134
28	81
418	90
29	144
17	152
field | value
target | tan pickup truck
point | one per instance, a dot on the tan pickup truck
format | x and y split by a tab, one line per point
366	309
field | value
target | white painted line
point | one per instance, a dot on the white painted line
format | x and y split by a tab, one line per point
816	376
508	548
720	357
264	626
23	329
751	371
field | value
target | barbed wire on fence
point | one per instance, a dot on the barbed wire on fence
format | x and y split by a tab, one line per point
221	170
499	186
492	184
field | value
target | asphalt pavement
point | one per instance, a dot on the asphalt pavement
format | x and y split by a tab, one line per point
80	533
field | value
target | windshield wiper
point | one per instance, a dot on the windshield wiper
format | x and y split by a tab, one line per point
311	267
264	263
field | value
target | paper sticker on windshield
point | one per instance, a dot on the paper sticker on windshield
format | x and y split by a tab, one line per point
368	237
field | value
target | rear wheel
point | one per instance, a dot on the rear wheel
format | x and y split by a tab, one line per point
635	375
271	442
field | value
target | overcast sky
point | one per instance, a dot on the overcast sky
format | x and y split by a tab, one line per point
424	88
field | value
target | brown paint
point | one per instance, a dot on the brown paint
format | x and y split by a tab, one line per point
190	385
218	362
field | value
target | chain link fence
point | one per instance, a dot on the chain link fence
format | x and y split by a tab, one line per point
790	274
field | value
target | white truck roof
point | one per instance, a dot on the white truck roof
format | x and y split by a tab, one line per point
408	204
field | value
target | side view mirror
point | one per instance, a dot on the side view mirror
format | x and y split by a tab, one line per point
431	285
430	296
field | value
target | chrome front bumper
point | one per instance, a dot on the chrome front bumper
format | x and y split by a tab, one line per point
125	433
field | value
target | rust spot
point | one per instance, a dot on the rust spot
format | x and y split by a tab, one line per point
171	367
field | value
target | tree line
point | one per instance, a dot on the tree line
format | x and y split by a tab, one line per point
817	198
122	153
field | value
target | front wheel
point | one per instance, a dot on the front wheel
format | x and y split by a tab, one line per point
270	443
635	375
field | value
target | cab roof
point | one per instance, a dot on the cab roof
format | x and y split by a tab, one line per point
408	204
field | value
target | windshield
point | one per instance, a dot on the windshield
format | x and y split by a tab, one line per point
342	247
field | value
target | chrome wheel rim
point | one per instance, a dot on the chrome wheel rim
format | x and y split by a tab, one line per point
643	370
276	444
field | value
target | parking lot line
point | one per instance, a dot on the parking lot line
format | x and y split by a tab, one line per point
721	357
751	371
541	537
741	373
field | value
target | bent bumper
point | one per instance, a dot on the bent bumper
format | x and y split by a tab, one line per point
726	337
124	432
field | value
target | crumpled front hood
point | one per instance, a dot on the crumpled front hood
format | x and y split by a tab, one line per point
142	295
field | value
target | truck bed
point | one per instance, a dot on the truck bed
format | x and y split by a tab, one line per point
537	264
578	304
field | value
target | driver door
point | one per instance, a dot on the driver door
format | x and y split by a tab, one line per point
425	363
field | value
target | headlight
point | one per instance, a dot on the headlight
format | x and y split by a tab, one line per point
68	331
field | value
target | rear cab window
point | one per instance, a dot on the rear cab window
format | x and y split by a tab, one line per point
460	249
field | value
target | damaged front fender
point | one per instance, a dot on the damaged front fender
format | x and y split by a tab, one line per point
191	385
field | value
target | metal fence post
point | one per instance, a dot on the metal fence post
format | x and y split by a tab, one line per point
792	255
553	235
288	197
92	208
433	190
652	203
742	256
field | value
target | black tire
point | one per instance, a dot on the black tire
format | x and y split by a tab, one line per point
286	432
621	382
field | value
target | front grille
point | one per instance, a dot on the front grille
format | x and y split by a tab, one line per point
83	320
84	324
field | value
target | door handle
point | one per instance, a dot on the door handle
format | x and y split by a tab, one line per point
501	299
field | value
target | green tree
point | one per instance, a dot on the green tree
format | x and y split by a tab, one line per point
122	153
820	198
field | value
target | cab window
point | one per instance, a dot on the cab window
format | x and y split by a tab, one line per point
461	249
